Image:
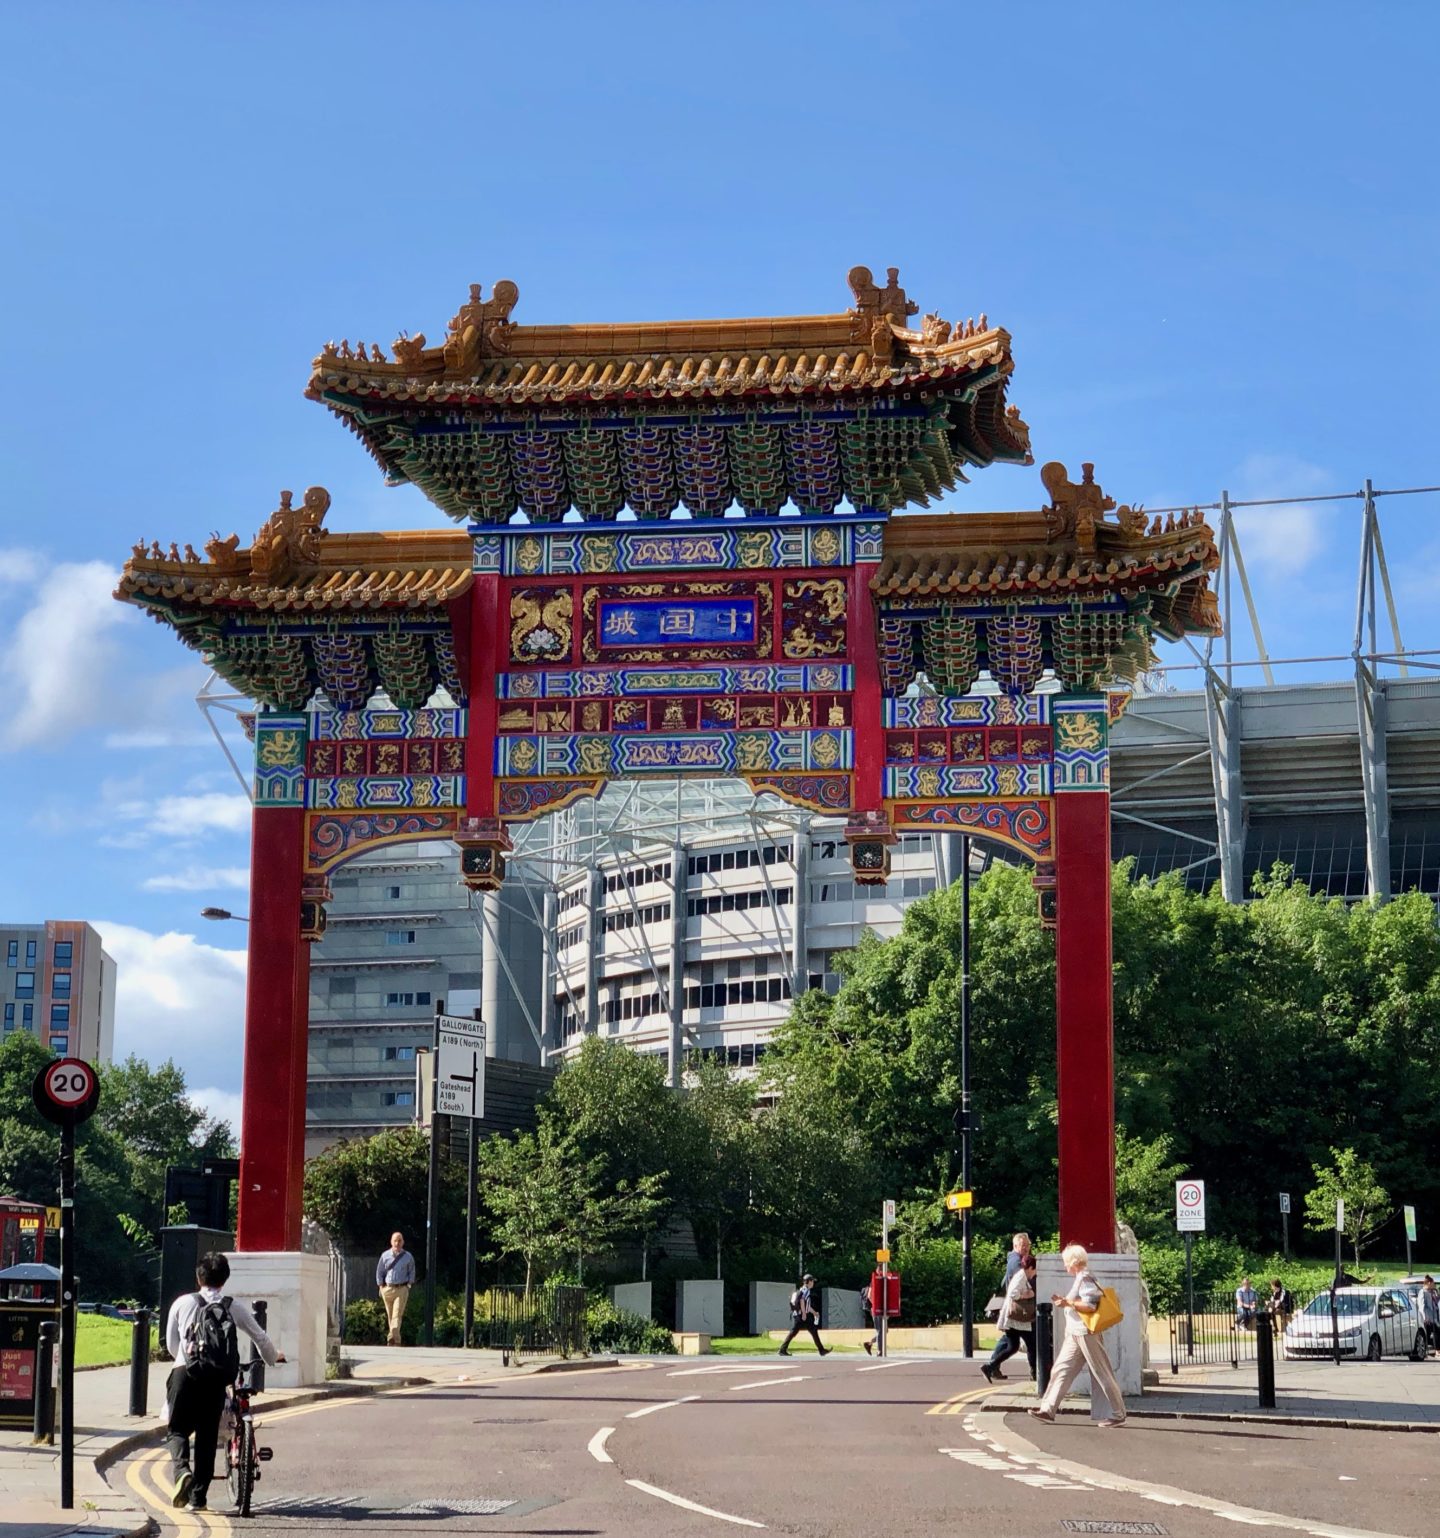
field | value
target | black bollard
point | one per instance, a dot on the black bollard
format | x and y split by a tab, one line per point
1265	1357
261	1310
1044	1346
140	1362
45	1384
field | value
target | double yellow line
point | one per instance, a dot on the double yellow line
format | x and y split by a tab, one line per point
956	1406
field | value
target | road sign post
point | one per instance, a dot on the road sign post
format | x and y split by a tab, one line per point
1285	1223
887	1217
1189	1220
457	1066
66	1093
1409	1239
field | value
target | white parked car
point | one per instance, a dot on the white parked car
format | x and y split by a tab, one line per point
1373	1322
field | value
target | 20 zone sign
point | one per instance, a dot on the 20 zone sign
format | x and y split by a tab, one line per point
67	1091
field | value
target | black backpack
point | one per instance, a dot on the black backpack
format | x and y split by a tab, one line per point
212	1352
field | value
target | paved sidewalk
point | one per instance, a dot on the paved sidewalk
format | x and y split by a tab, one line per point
104	1432
1394	1395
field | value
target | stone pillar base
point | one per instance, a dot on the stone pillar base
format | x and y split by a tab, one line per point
1124	1342
296	1289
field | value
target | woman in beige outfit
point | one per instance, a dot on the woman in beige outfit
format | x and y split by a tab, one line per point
1081	1349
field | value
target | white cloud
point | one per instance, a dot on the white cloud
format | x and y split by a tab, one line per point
199	878
1286	538
137	823
176	998
20	566
222	1104
53	657
122	741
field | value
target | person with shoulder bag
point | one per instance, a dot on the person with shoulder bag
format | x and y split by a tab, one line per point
1087	1308
1016	1321
804	1315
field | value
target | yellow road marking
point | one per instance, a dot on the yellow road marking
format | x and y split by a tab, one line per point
957	1405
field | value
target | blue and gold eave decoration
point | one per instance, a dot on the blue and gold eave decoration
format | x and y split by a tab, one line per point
751	545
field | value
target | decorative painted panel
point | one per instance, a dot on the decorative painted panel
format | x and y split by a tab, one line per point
373	792
763	678
1026	825
974	709
280	760
337	725
1082	743
727	752
754	546
332	838
924	781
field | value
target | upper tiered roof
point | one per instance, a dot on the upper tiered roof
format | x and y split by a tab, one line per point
803	410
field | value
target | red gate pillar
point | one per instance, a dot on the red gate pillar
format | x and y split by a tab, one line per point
272	1167
1083	1007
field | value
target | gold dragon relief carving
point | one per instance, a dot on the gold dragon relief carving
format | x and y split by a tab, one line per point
813	618
541	624
1078	731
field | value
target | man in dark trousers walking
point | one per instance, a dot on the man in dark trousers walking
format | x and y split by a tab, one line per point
804	1315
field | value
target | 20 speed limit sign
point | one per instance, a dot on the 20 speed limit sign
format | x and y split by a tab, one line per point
1190	1206
67	1091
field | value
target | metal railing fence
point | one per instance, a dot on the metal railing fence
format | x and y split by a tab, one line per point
1216	1332
545	1320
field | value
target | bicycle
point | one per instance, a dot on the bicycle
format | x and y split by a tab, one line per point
242	1457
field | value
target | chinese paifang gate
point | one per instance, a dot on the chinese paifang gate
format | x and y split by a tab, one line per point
767	632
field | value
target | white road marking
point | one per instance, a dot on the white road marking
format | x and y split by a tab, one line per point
679	1500
769	1383
668	1404
1010	1443
881	1366
596	1445
694	1372
974	1457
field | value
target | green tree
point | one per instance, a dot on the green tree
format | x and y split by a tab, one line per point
1352	1180
615	1104
721	1194
361	1191
549	1200
1145	1177
816	1174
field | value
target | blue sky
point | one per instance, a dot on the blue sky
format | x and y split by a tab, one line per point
1211	231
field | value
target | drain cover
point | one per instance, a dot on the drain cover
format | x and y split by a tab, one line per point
479	1508
1087	1525
357	1508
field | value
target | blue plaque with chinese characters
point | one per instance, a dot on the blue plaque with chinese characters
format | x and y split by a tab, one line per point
677	621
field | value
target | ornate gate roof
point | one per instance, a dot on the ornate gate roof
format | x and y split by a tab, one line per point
808	410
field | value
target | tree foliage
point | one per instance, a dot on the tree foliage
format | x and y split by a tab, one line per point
143	1123
1352	1180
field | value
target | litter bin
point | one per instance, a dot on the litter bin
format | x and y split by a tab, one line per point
20	1321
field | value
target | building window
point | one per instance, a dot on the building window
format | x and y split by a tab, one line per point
398	1097
60	1045
404	1000
59	1017
12	954
24	985
63	951
27	1016
60	985
399	1054
29	953
9	1017
392	892
399	937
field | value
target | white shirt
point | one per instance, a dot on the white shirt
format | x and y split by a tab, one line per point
184	1309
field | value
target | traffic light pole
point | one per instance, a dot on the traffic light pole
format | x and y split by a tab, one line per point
967	1276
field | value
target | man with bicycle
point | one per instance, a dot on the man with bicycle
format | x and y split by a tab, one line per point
200	1337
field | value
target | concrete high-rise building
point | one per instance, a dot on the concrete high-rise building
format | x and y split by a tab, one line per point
59	984
402	935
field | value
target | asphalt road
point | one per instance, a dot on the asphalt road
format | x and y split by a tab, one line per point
825	1449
